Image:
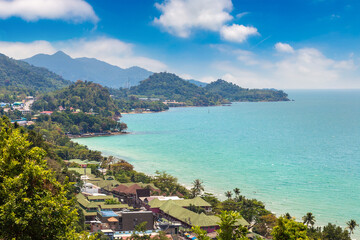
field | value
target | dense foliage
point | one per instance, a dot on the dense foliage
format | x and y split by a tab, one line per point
167	86
23	75
128	104
289	229
80	123
10	94
234	93
85	96
33	204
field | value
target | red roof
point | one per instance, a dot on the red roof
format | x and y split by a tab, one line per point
46	112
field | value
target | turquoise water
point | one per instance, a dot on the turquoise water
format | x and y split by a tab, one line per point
300	156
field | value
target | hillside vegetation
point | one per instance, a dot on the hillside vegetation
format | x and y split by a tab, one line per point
85	96
14	73
168	86
234	93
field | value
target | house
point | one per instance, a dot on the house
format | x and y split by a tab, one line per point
157	201
46	112
122	220
129	192
174	212
91	204
89	187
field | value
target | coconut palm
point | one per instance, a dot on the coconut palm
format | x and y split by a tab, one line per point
352	224
197	187
228	194
309	219
236	191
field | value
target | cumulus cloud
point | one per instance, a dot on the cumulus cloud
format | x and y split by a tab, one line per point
71	10
304	68
180	17
20	50
109	50
237	33
284	47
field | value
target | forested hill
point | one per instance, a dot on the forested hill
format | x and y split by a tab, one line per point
168	86
14	73
234	93
86	96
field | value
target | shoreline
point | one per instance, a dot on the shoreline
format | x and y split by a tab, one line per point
92	135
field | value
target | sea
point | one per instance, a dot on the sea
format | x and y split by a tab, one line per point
298	156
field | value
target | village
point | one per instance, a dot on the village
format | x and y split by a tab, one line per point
115	208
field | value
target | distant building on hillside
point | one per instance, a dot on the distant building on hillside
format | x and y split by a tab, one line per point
46	112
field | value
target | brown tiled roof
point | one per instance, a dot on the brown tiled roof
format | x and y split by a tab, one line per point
122	188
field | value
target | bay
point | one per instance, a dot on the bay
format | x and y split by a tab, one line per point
299	156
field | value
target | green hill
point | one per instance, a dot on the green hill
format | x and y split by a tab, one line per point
168	86
234	93
14	73
86	96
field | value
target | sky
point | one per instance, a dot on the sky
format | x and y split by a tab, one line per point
297	44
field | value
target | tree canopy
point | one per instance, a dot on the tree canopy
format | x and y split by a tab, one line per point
33	204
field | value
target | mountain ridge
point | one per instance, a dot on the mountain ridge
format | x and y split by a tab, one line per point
89	69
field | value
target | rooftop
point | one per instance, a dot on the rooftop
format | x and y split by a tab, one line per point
197	201
108	214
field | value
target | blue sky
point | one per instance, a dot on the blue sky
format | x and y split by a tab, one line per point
253	43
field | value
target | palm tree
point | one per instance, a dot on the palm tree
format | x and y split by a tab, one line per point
237	191
352	224
309	218
197	187
228	194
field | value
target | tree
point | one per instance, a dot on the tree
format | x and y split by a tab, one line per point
309	219
228	194
200	233
287	216
197	187
33	204
140	228
288	229
352	224
333	232
237	193
229	229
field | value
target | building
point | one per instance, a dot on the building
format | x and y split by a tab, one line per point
46	112
89	188
91	204
122	220
131	192
156	202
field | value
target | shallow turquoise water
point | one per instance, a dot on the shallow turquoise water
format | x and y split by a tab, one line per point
295	156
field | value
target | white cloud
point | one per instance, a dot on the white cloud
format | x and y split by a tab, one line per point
306	68
237	33
284	47
207	79
180	17
32	10
109	50
19	50
247	57
240	15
